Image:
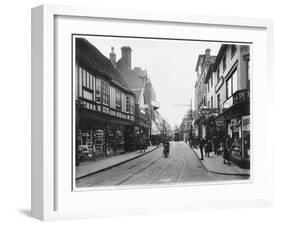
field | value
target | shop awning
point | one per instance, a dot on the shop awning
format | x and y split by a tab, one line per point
237	110
208	120
154	129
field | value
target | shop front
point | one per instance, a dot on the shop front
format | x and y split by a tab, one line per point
100	135
210	127
237	121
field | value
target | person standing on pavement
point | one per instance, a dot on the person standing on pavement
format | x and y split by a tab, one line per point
216	145
142	144
201	146
208	148
227	150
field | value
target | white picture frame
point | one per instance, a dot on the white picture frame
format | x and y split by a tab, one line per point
48	190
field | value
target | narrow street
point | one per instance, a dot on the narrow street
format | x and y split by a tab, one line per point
182	165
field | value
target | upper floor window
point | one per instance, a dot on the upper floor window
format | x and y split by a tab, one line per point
233	49
80	80
218	101
224	62
132	103
218	74
127	104
231	84
212	102
86	82
105	93
98	90
247	62
118	100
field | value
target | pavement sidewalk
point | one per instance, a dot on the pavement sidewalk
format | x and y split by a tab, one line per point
88	168
215	164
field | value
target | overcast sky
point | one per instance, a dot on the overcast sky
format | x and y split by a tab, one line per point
170	66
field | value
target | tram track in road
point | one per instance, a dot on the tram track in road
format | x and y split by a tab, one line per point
160	172
137	172
181	171
177	178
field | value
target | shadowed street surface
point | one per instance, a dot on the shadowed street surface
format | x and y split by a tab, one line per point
182	165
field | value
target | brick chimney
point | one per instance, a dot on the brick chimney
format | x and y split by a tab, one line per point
126	55
208	52
112	56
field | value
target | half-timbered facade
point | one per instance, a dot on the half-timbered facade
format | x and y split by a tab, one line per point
105	105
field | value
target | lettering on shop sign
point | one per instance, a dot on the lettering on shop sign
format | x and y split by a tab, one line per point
246	123
207	111
235	125
241	96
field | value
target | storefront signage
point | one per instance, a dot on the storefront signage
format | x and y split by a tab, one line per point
207	111
219	84
241	96
235	125
245	123
219	123
228	103
113	113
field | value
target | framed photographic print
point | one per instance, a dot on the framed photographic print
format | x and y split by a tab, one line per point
135	111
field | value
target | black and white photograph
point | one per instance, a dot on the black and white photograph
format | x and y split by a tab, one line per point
156	111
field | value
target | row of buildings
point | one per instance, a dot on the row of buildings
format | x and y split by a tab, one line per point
222	98
116	107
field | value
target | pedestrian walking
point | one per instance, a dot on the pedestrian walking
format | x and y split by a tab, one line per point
166	148
201	146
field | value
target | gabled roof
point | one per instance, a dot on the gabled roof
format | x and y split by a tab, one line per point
91	59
